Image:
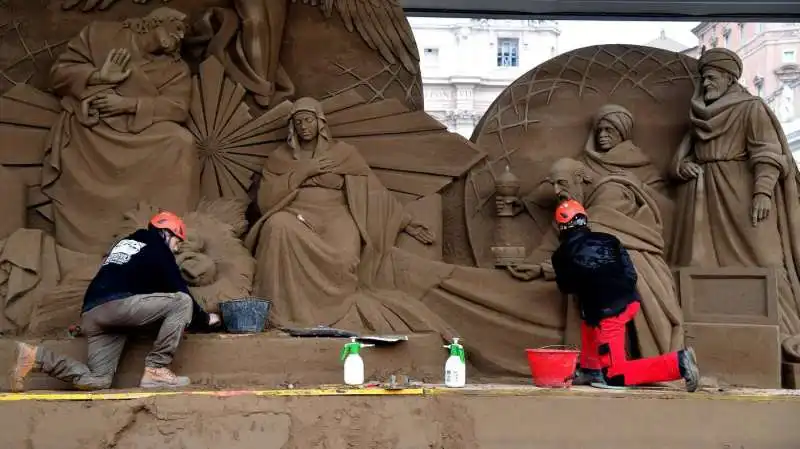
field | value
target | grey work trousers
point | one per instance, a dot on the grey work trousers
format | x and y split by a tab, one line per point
105	327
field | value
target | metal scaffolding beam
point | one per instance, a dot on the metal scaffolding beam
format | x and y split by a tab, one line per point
695	10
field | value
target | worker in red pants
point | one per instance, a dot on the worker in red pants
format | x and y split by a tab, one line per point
597	270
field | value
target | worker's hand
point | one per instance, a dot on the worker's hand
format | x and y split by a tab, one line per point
213	320
525	272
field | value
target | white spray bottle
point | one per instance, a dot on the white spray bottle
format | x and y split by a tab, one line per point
455	369
353	363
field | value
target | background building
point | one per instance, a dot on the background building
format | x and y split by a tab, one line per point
466	63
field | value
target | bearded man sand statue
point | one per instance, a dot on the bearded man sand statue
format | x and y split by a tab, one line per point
739	199
125	94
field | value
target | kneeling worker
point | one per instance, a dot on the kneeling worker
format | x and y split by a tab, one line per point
596	268
139	283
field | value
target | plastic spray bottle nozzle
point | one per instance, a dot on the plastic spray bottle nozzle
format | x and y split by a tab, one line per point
353	347
457	350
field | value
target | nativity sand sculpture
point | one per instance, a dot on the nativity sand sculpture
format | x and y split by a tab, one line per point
406	165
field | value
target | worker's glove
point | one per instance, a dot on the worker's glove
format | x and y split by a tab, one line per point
525	272
213	320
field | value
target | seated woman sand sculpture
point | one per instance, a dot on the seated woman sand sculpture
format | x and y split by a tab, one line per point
327	226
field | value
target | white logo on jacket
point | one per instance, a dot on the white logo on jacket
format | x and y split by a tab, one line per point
122	252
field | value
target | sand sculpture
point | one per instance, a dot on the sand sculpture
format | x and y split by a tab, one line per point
319	201
125	94
412	206
738	200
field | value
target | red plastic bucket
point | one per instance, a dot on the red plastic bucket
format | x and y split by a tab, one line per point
552	367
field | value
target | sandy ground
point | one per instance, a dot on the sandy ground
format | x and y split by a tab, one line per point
485	417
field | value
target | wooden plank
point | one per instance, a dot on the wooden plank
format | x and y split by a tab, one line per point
413	183
22	145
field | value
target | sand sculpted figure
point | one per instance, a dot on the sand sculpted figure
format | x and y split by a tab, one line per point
739	198
609	147
608	150
125	94
328	229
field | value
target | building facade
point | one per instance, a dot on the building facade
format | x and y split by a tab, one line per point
466	63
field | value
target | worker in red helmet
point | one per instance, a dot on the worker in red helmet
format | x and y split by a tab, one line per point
597	270
139	284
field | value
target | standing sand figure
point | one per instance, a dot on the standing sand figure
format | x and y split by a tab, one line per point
738	205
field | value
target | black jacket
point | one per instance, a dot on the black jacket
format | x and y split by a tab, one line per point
596	268
139	264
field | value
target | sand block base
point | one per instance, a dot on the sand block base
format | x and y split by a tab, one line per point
473	418
264	360
737	354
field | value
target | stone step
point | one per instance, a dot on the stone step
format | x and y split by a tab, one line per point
263	360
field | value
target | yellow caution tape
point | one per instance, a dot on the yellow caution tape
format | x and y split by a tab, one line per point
333	390
121	396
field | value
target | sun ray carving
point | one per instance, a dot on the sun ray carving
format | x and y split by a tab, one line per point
230	143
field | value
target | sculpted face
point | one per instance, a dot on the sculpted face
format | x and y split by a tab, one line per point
305	124
715	84
607	135
169	36
567	184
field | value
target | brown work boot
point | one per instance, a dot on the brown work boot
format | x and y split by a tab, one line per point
162	378
24	363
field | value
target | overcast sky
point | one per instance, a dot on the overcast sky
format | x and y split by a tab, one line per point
576	34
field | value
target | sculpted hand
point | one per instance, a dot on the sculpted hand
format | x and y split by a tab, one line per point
501	203
112	104
115	69
421	232
690	170
762	204
525	272
548	272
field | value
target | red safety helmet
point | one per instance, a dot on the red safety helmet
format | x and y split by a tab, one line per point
570	213
171	222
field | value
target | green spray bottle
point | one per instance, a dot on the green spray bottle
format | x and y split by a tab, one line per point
353	363
455	369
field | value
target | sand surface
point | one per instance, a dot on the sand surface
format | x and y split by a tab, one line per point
456	420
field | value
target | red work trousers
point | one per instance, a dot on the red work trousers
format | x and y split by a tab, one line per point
603	348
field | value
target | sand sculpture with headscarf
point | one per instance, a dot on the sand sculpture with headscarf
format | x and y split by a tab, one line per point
325	242
609	147
739	198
